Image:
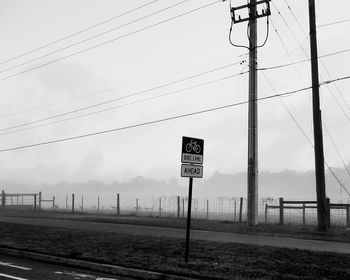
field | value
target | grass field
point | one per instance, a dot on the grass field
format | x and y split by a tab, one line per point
340	234
208	260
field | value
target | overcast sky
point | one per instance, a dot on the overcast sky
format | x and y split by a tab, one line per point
138	59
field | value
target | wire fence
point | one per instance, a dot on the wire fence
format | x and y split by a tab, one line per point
232	209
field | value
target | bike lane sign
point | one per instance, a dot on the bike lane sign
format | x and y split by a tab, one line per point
192	150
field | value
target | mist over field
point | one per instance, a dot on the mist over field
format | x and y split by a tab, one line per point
287	184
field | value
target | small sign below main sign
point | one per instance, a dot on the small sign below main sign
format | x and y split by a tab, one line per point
192	150
192	171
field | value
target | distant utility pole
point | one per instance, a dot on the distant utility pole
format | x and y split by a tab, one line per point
317	120
252	193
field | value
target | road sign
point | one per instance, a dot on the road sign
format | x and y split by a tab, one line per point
192	150
192	171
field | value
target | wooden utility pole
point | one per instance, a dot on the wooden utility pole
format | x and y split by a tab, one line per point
252	176
317	121
252	195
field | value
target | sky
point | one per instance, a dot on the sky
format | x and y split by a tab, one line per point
150	60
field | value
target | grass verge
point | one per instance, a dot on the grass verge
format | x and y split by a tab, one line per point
208	260
339	234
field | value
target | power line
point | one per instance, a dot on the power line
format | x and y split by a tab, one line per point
333	23
120	98
111	40
157	121
289	112
300	61
309	140
335	53
283	65
294	16
337	150
323	65
327	55
93	37
148	123
124	105
328	132
78	32
336	177
100	92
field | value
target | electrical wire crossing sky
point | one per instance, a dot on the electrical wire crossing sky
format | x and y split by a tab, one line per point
142	74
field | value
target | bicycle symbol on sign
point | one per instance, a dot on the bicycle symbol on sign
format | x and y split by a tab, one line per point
193	146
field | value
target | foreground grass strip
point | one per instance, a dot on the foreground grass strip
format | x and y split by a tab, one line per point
208	260
339	234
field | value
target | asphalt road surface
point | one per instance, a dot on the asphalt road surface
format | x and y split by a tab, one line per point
22	269
304	244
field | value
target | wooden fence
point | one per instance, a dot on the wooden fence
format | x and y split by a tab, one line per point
24	201
303	205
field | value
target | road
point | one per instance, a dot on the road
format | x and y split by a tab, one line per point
284	242
22	269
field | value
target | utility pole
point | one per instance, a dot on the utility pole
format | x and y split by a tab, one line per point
317	120
252	176
252	195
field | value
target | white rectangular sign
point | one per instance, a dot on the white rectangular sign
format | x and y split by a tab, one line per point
191	158
194	171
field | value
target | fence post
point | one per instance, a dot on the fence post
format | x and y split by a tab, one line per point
98	204
118	204
240	209
178	207
266	213
207	209
235	211
40	198
348	216
281	210
3	199
66	202
22	199
35	202
82	203
137	206
53	202
73	203
304	214
160	207
183	208
328	211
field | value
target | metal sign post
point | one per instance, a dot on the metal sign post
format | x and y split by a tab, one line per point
192	155
188	219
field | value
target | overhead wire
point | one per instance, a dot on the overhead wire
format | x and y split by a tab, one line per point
122	97
322	64
93	37
157	120
308	138
111	40
333	23
79	32
294	63
101	92
299	61
327	130
127	104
